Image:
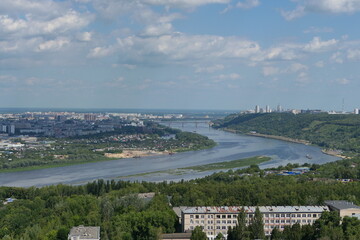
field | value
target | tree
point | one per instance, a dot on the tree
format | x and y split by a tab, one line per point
220	236
275	234
257	226
240	232
198	234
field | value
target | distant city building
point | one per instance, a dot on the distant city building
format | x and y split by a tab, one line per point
279	108
257	109
90	117
267	109
356	111
84	233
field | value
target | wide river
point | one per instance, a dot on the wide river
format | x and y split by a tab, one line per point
230	147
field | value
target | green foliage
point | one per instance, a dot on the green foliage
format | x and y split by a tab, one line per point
198	234
338	131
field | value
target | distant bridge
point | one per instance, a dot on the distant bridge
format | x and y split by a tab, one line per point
190	122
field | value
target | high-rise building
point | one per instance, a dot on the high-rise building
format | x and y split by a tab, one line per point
257	109
279	108
267	109
356	111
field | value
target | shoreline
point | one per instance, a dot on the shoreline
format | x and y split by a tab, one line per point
135	154
329	152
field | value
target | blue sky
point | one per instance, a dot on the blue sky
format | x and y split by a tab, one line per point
180	54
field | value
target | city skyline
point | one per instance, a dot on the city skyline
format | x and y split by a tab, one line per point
179	54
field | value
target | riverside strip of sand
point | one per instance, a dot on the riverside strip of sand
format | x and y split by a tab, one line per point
336	153
134	154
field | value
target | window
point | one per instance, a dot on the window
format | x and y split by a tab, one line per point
192	227
288	215
314	215
202	221
211	216
234	221
277	215
202	216
282	221
271	215
217	227
299	215
298	221
229	221
304	220
282	215
272	221
196	216
287	221
197	221
281	226
293	221
218	221
223	227
229	216
304	215
266	221
277	221
309	221
223	221
191	221
234	216
191	216
292	215
217	216
309	215
266	215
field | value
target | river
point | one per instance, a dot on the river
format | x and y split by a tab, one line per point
230	147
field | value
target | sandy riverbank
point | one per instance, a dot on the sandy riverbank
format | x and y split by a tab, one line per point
335	153
134	154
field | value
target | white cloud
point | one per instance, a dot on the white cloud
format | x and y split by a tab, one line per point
38	7
85	36
322	6
185	47
343	81
319	30
224	77
269	71
296	67
53	45
291	15
99	52
209	69
316	45
184	3
353	54
320	64
30	27
158	30
246	4
337	57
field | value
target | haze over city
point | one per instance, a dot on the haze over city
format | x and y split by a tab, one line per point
179	54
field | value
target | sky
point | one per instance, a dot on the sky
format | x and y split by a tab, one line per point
180	54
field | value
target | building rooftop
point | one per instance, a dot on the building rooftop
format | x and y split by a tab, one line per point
82	232
340	204
251	209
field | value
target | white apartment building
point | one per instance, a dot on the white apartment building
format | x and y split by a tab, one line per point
218	219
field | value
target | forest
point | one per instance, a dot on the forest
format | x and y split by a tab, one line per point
48	213
331	131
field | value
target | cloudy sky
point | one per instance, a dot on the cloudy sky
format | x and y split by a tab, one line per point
180	54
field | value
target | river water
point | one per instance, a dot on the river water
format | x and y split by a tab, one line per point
230	147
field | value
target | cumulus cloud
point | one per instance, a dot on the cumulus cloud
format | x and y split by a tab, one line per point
246	4
320	64
99	52
269	71
343	81
71	20
184	47
209	69
53	45
224	77
184	3
84	37
353	54
40	7
316	45
322	6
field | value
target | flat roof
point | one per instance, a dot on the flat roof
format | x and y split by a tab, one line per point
85	232
341	204
251	209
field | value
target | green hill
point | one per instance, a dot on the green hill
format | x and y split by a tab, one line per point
340	131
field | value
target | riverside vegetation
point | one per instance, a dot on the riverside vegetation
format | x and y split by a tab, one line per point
48	213
90	148
338	131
